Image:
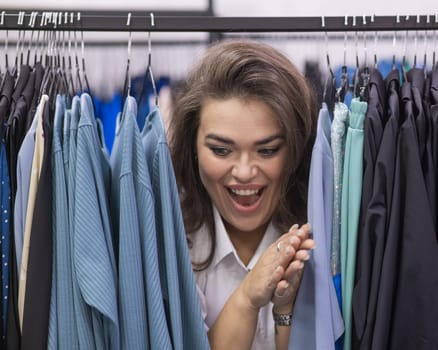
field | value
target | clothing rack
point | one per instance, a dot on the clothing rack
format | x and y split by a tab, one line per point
137	21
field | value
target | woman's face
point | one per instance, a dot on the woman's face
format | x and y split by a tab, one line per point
241	153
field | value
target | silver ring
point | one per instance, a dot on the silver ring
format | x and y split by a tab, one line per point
279	246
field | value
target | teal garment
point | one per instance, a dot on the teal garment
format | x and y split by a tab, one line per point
127	167
93	252
350	209
338	135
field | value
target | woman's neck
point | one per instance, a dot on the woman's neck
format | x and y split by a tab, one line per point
245	242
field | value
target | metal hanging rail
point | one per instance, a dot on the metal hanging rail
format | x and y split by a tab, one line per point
137	21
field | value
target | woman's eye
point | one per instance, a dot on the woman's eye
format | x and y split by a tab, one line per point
268	152
220	151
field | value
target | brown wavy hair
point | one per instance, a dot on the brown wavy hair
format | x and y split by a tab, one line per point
250	71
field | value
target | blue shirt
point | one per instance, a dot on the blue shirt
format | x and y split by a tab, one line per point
177	277
93	252
126	184
62	325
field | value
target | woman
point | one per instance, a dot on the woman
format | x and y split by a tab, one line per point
242	133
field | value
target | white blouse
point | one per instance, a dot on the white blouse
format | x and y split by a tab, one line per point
224	274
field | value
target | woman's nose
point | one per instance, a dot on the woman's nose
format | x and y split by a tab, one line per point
244	169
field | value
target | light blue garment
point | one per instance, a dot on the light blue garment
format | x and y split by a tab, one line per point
317	322
177	278
66	143
93	252
62	324
351	201
338	135
24	167
133	211
126	185
82	312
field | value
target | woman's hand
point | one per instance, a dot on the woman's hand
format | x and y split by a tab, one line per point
286	290
276	270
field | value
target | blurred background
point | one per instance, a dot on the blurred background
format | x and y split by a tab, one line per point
173	53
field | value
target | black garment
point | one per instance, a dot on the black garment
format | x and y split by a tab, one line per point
374	123
17	129
421	109
407	308
39	74
39	269
20	84
6	98
433	95
373	236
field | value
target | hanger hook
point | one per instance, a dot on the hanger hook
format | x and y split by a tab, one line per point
434	43
394	41
345	41
425	44
326	46
128	75
154	88
376	36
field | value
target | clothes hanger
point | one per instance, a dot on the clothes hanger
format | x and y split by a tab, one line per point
48	74
71	84
127	82
376	39
416	43
342	90
84	72
149	74
328	95
31	25
356	79
2	19
405	44
394	41
78	70
425	50
365	74
434	66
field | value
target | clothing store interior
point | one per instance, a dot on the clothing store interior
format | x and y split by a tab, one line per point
95	255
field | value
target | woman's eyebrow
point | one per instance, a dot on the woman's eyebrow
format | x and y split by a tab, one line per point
269	139
219	138
257	143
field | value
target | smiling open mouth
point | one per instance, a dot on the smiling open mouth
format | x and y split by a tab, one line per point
245	197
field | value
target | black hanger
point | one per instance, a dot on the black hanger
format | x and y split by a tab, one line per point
341	91
328	95
364	75
344	84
